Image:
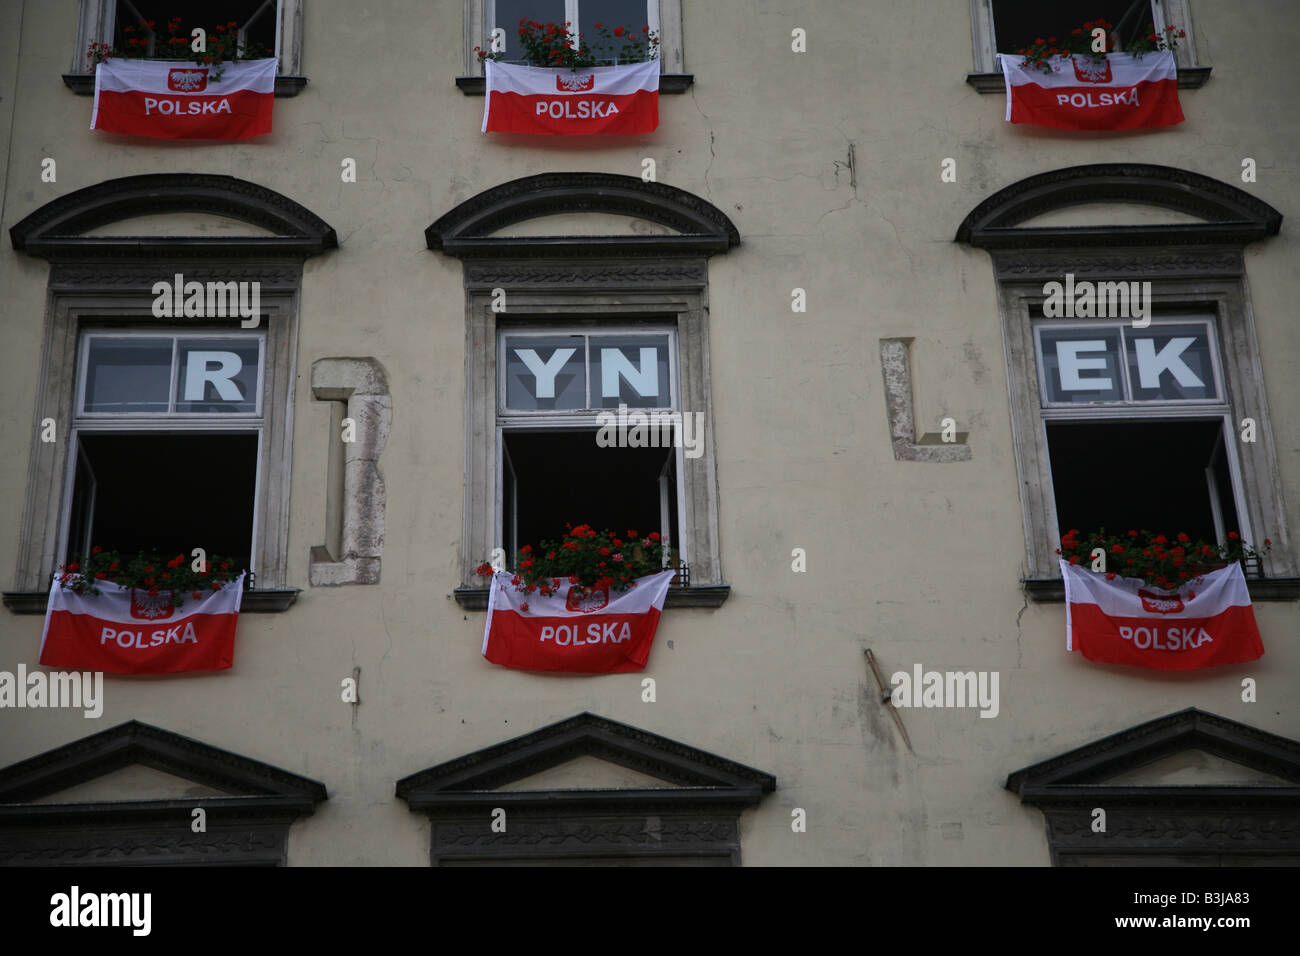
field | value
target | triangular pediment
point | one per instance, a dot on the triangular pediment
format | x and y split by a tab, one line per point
1168	747
139	762
1195	768
572	750
586	772
136	782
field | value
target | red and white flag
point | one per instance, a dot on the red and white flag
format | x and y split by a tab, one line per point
1120	92
566	102
174	99
127	631
577	629
1123	621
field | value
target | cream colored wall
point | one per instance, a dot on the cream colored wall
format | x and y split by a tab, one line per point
920	562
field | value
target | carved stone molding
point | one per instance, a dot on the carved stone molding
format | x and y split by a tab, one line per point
56	230
117	277
896	365
362	384
249	826
466	231
1158	821
695	815
1142	263
612	273
1230	215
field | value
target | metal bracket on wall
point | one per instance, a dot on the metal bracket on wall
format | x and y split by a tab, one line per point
886	695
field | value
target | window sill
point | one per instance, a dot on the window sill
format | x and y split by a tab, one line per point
1052	590
254	602
711	595
1189	78
83	84
668	83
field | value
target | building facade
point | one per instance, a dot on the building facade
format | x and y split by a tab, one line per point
835	250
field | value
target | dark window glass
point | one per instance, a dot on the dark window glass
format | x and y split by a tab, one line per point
169	493
1018	23
1156	475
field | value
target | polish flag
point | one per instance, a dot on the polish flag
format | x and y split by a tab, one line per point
580	630
176	99
1123	621
567	102
1120	92
127	631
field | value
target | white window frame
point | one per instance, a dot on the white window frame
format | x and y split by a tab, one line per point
171	422
663	16
1256	490
1125	407
96	22
1143	411
582	420
171	415
983	38
580	417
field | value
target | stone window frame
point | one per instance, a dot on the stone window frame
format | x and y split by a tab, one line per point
987	76
696	814
94	16
559	278
248	827
1155	825
673	77
1192	266
110	279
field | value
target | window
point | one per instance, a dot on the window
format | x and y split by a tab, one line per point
1017	23
561	329
690	815
1147	407
662	16
555	467
156	416
1187	789
113	799
1004	26
164	425
263	24
581	15
1123	426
